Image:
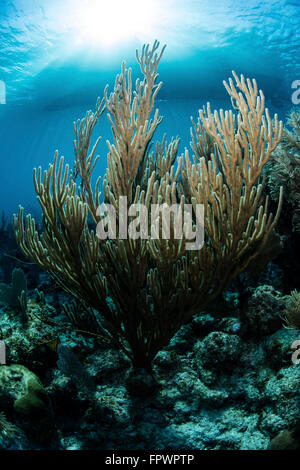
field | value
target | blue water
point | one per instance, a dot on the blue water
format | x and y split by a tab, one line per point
56	57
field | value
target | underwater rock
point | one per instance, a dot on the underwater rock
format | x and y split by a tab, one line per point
218	349
140	383
25	390
209	397
71	366
28	344
230	325
282	391
166	360
278	347
14	379
35	404
264	313
215	354
103	365
29	399
203	324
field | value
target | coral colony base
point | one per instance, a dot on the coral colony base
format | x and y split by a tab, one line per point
156	321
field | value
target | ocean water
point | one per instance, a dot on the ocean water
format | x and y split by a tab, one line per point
56	58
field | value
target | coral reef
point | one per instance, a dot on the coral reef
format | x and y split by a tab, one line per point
213	368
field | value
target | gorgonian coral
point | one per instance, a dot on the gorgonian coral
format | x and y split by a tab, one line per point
143	289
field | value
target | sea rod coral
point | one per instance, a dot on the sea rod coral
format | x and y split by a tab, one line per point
141	291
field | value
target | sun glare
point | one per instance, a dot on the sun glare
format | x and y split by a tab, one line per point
107	22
